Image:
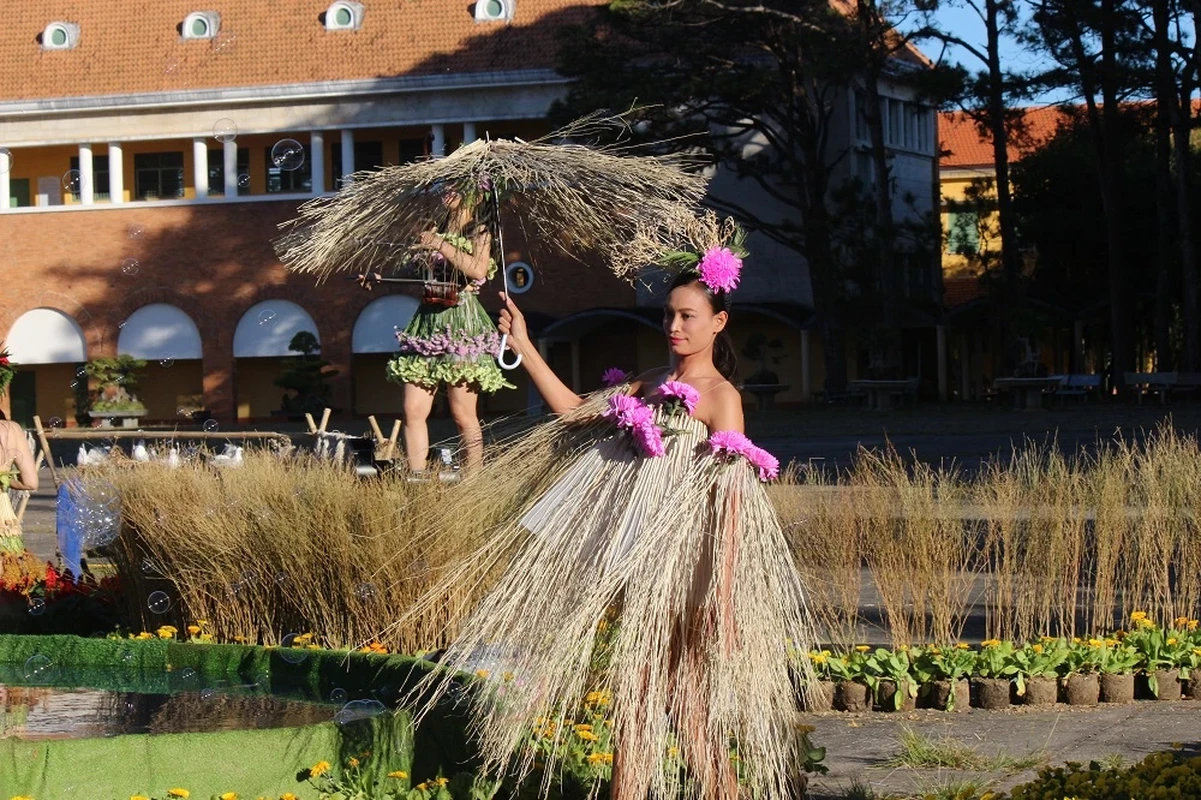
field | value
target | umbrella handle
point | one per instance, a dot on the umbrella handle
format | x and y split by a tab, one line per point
500	356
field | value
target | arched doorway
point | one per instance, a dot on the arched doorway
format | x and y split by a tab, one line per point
260	345
49	348
373	342
167	339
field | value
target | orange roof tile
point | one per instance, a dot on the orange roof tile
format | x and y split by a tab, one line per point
964	146
134	46
961	289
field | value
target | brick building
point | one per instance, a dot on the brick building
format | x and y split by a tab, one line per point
139	194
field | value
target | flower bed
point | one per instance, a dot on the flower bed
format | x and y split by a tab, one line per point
1149	661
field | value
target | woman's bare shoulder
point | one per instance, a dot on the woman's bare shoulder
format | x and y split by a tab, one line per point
652	377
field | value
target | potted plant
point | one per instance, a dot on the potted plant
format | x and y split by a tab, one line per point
942	674
1117	665
895	688
820	696
995	672
851	682
113	381
1082	686
306	376
1038	665
1163	653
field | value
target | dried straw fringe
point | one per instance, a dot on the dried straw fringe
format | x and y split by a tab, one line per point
580	201
680	673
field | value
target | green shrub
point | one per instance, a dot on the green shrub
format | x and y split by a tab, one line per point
1164	776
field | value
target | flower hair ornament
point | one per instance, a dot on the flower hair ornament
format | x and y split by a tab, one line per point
715	254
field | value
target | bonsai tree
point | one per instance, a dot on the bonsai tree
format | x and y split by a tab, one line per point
114	380
764	351
306	375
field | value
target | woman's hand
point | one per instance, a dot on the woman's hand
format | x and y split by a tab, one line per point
512	324
430	240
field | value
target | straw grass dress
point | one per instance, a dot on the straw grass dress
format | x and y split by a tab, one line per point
670	571
451	345
14	454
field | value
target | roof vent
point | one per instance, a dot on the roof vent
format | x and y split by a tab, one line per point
344	15
201	25
60	36
494	10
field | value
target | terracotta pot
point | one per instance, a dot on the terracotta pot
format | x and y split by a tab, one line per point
1169	684
818	696
1041	691
940	694
851	696
1082	690
1117	688
886	697
991	692
1192	687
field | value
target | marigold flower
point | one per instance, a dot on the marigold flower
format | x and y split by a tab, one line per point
583	727
131	797
963	646
587	736
422	786
229	796
202	622
1172	640
1037	648
862	648
177	792
1180	621
399	774
441	781
600	758
193	629
288	796
318	769
508	676
352	761
167	632
1095	643
1137	615
991	643
482	673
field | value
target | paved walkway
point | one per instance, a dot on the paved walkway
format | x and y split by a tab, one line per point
858	746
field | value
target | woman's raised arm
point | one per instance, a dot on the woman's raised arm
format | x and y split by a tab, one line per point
557	395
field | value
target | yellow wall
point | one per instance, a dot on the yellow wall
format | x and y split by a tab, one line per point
55	397
256	394
954	188
163	389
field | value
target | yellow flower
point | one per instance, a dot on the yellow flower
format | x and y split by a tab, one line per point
193	629
1192	624
145	635
482	673
399	774
818	658
597	698
508	676
132	797
1180	621
673	751
1172	640
206	637
229	796
1111	643
990	643
239	639
1095	643
1146	623
178	793
167	632
600	758
1138	615
587	736
288	796
963	646
202	622
862	648
320	768
22	797
1037	648
354	762
441	781
1197	651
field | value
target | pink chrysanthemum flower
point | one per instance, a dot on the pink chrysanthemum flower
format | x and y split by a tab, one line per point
729	443
614	376
767	465
650	439
719	269
629	412
680	392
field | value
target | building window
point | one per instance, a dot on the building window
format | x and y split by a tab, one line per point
217	171
99	177
158	175
493	10
201	25
60	36
520	277
344	16
963	233
367	155
284	181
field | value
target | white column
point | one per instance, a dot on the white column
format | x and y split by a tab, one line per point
200	167
806	368
317	161
468	132
116	173
87	175
438	146
229	158
940	332
347	156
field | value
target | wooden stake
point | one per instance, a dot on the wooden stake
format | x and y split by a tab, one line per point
309	419
45	443
324	420
379	435
392	441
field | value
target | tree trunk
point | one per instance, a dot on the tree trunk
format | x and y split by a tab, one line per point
1182	175
1165	200
1005	214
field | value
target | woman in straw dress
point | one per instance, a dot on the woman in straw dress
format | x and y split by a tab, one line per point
640	539
451	341
17	471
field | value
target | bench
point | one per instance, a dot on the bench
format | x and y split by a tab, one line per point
1082	386
1163	384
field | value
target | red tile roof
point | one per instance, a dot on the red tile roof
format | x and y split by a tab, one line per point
134	46
964	146
961	289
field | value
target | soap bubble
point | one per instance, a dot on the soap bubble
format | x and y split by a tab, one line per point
224	42
158	603
225	130
188	675
211	425
338	696
149	567
56	422
167	362
130	266
290	653
135	231
96	512
244	181
208	693
72	181
39	669
357	710
37	606
266	316
365	591
281	577
288	155
6	160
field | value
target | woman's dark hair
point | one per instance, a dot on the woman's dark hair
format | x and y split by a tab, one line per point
723	347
